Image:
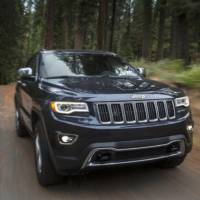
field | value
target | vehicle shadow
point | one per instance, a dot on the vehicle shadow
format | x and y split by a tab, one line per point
139	182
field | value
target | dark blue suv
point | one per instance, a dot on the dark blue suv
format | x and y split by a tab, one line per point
91	109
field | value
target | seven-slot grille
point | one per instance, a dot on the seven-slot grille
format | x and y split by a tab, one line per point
135	112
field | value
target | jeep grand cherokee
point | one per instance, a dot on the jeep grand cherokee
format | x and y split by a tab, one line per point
91	109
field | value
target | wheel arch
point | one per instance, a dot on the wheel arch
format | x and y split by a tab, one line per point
35	117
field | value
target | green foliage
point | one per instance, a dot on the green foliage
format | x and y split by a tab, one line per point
157	68
190	77
173	71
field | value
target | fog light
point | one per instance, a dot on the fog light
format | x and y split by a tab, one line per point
189	129
67	139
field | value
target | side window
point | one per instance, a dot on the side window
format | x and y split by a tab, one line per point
32	63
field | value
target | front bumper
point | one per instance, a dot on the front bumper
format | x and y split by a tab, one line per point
72	159
100	157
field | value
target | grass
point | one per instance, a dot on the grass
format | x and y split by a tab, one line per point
173	71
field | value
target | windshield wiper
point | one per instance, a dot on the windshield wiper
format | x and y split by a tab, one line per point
107	74
57	77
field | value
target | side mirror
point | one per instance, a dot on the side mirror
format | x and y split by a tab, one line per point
141	71
25	72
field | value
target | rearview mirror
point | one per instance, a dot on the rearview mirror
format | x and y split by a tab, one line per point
25	72
141	71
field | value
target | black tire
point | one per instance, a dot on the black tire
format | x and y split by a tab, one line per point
20	128
170	163
46	173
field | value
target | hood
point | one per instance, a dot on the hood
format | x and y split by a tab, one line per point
111	85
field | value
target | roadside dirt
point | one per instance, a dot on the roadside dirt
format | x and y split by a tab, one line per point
195	105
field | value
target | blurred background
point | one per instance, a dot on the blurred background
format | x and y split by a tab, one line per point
160	35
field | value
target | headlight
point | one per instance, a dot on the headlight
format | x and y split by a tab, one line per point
182	101
68	107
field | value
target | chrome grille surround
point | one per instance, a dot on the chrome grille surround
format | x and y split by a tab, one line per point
88	161
132	112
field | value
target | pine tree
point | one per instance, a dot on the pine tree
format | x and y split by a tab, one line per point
11	31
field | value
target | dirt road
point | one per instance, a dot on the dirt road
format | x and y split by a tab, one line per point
18	178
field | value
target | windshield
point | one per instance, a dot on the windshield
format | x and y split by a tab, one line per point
74	64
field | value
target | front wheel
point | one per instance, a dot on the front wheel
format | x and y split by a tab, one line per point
44	168
20	129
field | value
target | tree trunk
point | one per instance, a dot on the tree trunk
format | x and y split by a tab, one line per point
173	40
129	20
183	33
78	41
64	32
112	29
49	35
179	37
106	39
161	29
147	35
101	26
